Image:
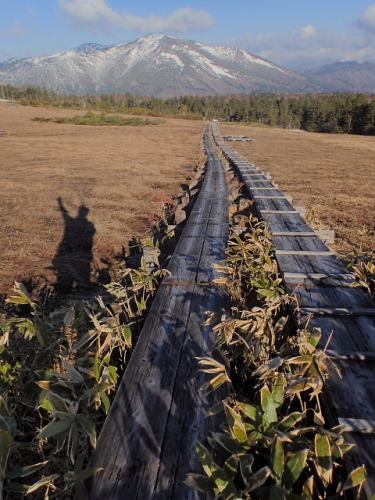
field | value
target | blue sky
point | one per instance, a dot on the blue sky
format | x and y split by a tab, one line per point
293	33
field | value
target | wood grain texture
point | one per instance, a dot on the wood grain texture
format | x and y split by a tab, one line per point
147	444
338	311
325	299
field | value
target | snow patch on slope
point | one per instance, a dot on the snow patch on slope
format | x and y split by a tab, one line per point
230	53
262	62
207	65
172	57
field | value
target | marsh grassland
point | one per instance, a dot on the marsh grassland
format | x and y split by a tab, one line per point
333	175
122	175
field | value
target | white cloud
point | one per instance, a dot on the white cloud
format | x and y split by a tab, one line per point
97	15
17	30
308	46
181	20
306	31
366	20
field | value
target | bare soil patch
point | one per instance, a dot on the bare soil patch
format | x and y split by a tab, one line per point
110	180
334	175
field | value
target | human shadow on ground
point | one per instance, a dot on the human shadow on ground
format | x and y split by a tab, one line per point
73	259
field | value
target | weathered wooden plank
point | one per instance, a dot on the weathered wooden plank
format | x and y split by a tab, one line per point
264	188
147	443
337	311
352	393
260	197
195	229
184	263
313	243
254	183
288	222
352	356
251	175
157	410
213	253
278	204
350	333
344	297
308	253
345	315
311	265
148	385
293	234
317	276
357	425
327	235
278	211
187	423
193	260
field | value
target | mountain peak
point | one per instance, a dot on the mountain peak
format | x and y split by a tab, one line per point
157	64
89	48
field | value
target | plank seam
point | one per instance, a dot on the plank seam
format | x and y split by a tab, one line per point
278	211
336	311
348	276
305	252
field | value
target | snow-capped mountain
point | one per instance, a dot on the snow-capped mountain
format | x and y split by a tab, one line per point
158	65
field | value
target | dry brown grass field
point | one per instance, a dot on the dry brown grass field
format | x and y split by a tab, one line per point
119	175
333	175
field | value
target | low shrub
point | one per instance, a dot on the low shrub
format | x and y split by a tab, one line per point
100	120
274	443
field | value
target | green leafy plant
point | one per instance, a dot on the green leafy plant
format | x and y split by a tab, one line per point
59	393
365	271
267	449
274	443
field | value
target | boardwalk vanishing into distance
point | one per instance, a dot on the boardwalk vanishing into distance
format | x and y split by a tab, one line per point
147	444
325	298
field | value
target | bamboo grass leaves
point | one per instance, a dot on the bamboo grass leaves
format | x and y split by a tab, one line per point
274	443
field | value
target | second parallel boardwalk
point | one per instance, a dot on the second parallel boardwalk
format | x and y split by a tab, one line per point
147	444
325	296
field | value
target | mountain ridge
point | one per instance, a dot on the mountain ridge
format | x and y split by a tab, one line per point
159	65
345	76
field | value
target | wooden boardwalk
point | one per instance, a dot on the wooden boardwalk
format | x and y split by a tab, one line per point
147	444
324	295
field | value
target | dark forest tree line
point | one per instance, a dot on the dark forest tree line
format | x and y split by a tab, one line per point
332	113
